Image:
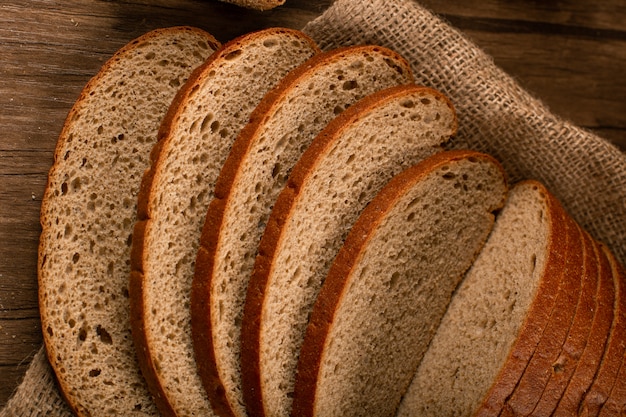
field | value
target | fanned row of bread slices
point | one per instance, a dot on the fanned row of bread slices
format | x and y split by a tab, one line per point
261	228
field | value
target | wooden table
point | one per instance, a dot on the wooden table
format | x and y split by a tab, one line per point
571	54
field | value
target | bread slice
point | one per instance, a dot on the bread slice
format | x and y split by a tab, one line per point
484	337
257	4
87	216
561	370
545	360
615	404
281	128
391	283
591	358
194	140
612	364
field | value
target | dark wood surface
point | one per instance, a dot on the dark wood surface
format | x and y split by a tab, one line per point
571	54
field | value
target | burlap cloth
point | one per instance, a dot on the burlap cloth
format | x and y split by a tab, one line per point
495	114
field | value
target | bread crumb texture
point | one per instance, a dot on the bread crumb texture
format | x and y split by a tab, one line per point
88	214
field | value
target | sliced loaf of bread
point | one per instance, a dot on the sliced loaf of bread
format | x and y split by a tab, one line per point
571	354
194	140
615	404
87	218
479	335
612	364
545	360
591	358
280	129
391	283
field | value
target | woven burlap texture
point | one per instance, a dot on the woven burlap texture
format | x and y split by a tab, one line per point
496	116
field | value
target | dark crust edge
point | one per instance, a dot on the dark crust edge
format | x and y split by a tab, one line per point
579	333
200	296
611	377
348	257
78	106
136	290
223	187
538	313
527	393
590	359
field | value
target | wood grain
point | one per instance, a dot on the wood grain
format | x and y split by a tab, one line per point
571	54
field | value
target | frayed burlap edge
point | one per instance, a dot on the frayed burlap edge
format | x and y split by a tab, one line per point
37	395
495	116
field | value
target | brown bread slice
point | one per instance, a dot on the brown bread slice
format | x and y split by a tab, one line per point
615	405
194	140
484	332
87	216
545	359
280	129
607	377
392	281
589	361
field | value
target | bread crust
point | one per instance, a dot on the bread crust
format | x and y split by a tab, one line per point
537	317
228	177
566	363
590	359
616	403
346	260
545	358
144	214
612	364
64	137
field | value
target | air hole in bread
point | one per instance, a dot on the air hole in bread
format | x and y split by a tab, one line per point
338	110
356	65
350	85
232	55
64	188
82	334
449	176
76	183
164	62
50	332
105	337
270	43
392	64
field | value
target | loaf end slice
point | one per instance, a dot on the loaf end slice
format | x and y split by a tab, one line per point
477	335
87	216
194	140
